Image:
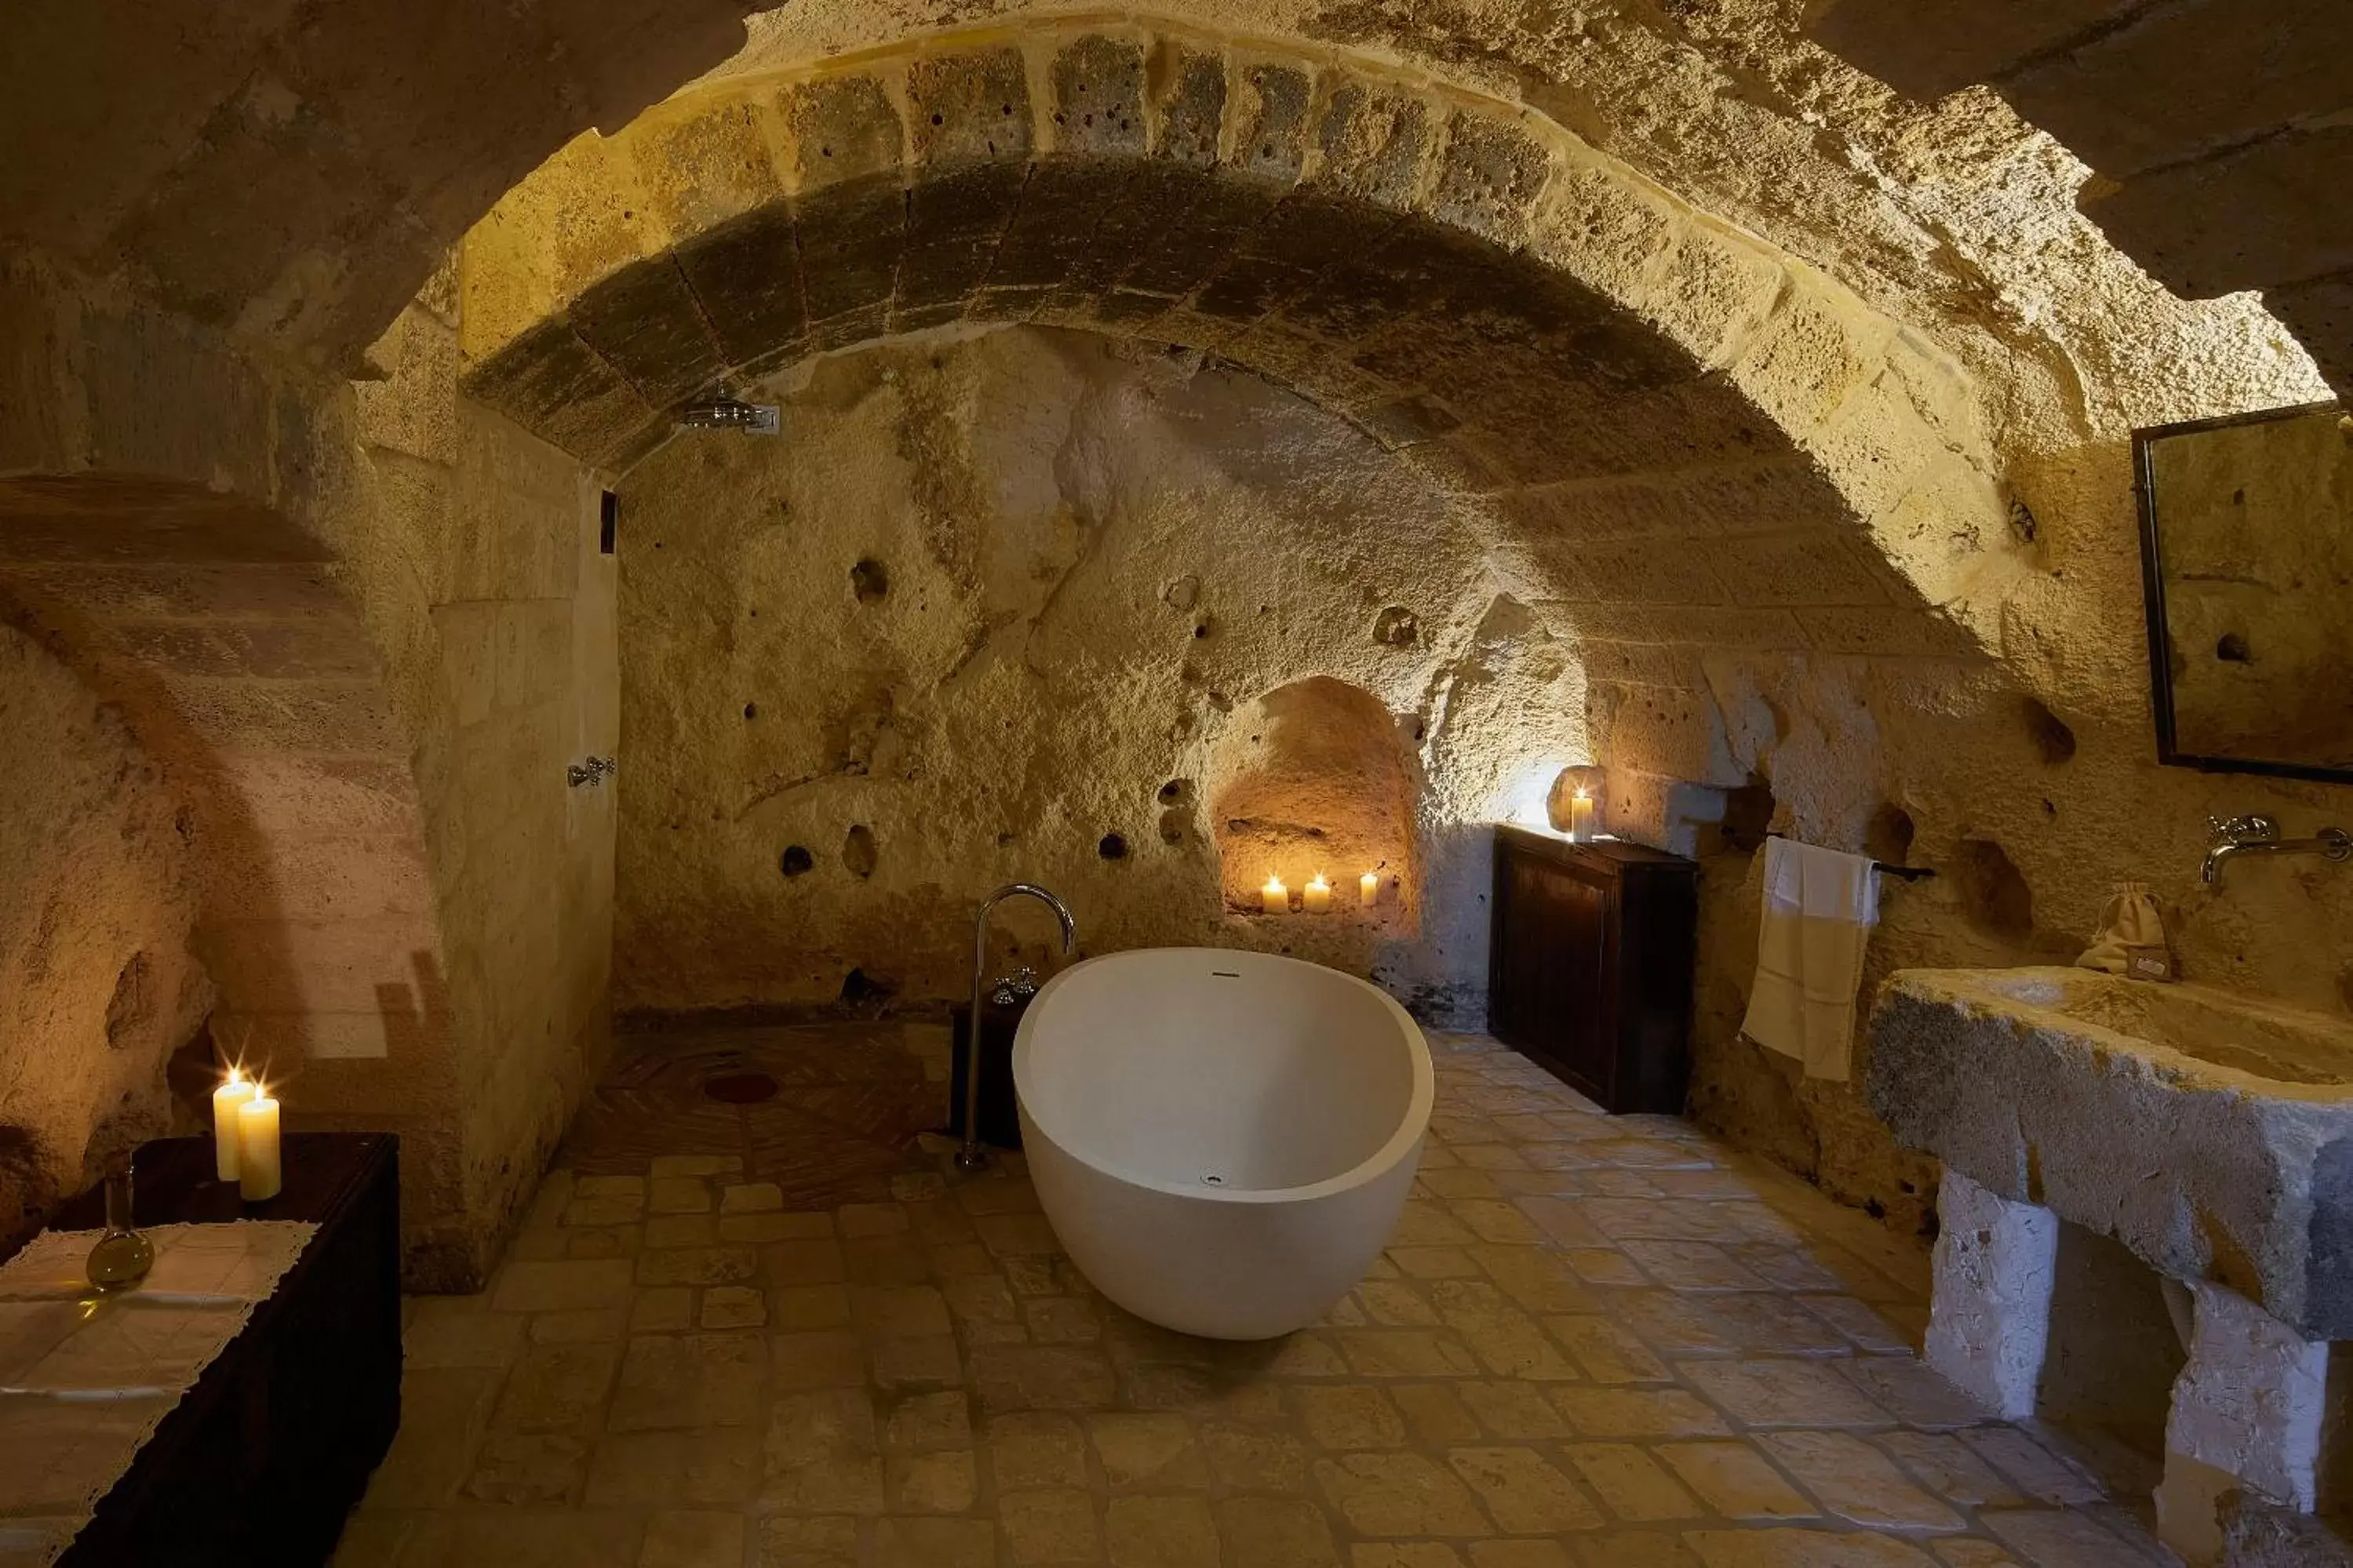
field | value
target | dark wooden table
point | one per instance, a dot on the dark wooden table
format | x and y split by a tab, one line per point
263	1457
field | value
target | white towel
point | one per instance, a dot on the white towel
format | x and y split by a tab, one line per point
1819	906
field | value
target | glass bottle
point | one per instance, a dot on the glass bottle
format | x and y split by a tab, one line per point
122	1256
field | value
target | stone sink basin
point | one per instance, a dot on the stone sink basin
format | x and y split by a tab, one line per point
2209	1132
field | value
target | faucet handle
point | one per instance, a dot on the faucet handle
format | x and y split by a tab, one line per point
2253	827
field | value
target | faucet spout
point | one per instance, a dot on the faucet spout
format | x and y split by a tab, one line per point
2259	835
971	1155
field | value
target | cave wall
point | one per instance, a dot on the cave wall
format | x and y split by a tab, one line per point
990	602
98	984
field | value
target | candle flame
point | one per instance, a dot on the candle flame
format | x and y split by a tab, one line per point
1274	883
1581	793
1319	882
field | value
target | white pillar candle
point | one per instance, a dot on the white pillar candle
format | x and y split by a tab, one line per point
1580	818
257	1148
1368	889
1274	897
226	1098
1317	897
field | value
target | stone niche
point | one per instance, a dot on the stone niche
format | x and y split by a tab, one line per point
1314	777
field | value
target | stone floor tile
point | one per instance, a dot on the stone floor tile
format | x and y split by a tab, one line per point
692	1381
2048	1538
797	1308
608	1186
817	1358
1631	1483
1605	1266
733	1306
1016	1234
1070	1319
1782	1393
594	1242
1949	1467
823	1454
897	1312
759	1227
1435	1413
1034	1448
678	1194
444	1417
1606	1351
697	1266
1913	1391
869	1219
1536	1280
1769	1323
1399	1494
1433	1262
2030	1466
1524	1492
1670	1324
1456	1181
1864	1325
942	1480
1507	1341
681	1230
1252	1460
1518	1554
938	1420
1161	1532
1403	1554
922	1544
618	1210
1796	1547
1406	1352
528	1469
527	1538
1967	1551
1631	1549
803	1260
1516	1411
1396	1304
676	1539
1784	1267
559	1388
1052	1526
593	1325
487	1340
1856	1482
1274	1532
1736	1480
1149	1450
560	1287
1691	1266
1041	1377
1349	1416
1596	1412
661	1308
1494	1220
749	1197
672	1470
829	1543
889	1259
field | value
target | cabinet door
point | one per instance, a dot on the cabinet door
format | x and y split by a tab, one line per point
1554	942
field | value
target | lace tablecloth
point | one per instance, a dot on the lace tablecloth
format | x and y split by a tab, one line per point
85	1379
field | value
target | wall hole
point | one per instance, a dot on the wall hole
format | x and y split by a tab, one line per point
1888	835
1396	627
1995	897
2232	649
796	861
870	580
857	851
751	711
1175	792
1747	814
1111	846
860	986
1177	826
2054	743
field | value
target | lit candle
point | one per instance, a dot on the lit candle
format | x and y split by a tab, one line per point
226	1098
1317	895
1274	897
257	1148
1368	889
1580	817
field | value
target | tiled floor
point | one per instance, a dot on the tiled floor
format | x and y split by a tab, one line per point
1594	1343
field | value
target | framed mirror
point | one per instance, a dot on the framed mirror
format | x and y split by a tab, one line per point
2246	539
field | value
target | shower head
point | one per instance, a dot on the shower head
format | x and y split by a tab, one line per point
719	410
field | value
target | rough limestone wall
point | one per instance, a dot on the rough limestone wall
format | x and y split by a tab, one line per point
474	549
986	603
98	985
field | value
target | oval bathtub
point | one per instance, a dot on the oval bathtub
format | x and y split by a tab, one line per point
1222	1141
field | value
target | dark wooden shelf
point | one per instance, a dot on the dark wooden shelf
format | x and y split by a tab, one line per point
1589	972
261	1460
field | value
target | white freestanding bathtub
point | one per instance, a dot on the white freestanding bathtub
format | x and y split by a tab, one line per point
1222	1141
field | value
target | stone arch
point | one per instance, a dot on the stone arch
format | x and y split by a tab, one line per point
219	632
1312	777
1688	438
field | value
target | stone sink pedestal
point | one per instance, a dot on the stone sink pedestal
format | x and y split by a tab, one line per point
2208	1133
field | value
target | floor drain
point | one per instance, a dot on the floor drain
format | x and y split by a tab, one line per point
739	1088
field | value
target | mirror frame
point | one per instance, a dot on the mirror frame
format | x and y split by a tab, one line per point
2152	569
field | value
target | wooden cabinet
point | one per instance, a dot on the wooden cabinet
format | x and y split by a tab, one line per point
257	1463
1590	968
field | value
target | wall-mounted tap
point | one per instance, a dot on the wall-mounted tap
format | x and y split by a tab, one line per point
2255	833
596	770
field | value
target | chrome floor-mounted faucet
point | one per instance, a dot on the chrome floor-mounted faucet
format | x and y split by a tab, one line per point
972	1156
2255	833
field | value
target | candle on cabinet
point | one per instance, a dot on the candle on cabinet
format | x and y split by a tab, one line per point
227	1100
1274	897
257	1176
1580	817
1368	889
1317	897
